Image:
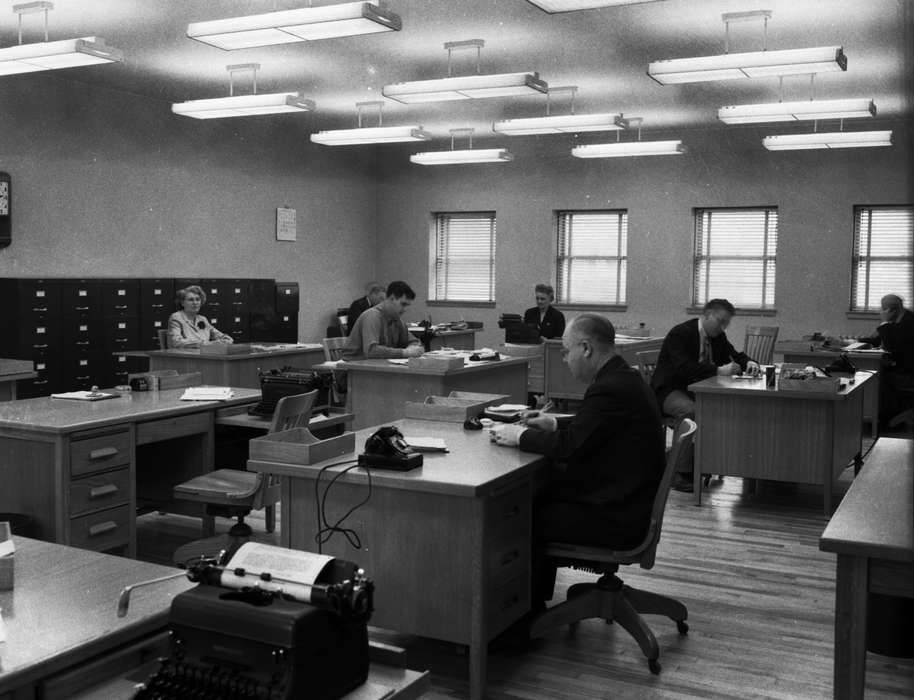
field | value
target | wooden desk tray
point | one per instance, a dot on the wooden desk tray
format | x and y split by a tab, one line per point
823	385
456	407
225	349
522	349
436	362
299	446
6	562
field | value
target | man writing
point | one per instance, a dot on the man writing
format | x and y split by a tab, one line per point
896	336
374	294
380	332
694	350
606	461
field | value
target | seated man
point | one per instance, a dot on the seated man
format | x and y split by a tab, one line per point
379	332
606	461
374	294
694	350
895	335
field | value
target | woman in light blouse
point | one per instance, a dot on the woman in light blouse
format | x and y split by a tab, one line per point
188	328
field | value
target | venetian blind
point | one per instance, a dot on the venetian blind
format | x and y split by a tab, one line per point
734	256
591	264
883	261
464	266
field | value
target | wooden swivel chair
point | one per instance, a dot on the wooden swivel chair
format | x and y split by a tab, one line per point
647	363
760	342
235	493
609	598
333	348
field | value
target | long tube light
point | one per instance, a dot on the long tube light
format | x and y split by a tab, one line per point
473	155
302	24
244	105
553	6
628	148
808	110
466	87
819	140
560	124
380	134
50	55
757	64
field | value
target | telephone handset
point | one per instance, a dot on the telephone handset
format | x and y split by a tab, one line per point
387	449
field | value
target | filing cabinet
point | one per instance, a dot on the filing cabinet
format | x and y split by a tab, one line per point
157	302
120	297
80	299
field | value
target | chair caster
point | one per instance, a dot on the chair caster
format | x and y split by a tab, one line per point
654	665
682	626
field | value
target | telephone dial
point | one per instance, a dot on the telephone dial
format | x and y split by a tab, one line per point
387	449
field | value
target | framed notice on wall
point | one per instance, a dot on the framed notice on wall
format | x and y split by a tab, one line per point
285	224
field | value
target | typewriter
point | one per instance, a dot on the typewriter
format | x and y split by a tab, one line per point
287	381
249	635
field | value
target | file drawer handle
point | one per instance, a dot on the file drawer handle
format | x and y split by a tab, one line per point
102	491
82	342
103	452
508	557
40	346
82	308
39	308
102	528
120	306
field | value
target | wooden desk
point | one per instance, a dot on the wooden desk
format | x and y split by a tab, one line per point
378	389
232	370
872	532
748	430
559	382
867	360
455	340
77	467
11	371
448	544
534	355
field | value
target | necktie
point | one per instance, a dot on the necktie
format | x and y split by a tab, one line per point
705	355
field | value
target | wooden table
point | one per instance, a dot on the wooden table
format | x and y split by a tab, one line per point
872	532
447	544
11	371
77	467
378	389
232	370
866	360
559	382
747	429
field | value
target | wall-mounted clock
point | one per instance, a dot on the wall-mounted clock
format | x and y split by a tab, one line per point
6	230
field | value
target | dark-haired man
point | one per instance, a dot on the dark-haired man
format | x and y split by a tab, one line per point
379	332
694	350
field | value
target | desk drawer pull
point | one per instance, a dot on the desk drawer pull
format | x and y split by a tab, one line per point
102	528
103	453
102	491
508	557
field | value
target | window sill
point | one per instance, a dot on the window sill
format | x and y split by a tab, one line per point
863	315
592	307
469	304
695	310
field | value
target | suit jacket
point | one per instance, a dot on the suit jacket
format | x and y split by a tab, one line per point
678	365
611	452
553	324
897	339
356	309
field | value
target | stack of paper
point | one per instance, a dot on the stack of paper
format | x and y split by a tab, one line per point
207	393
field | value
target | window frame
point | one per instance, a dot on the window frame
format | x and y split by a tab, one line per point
866	311
434	228
620	303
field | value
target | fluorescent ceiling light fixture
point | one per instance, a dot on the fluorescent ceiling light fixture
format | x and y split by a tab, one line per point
819	140
553	6
466	87
288	26
379	134
807	110
629	148
560	124
471	155
758	64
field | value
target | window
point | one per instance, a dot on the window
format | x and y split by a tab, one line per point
883	255
735	256
463	257
591	263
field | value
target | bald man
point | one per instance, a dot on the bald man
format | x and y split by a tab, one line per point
895	335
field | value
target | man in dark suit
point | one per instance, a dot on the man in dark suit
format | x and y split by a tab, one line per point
549	321
374	294
896	336
694	350
606	462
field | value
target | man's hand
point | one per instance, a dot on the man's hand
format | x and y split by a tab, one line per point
753	369
413	350
540	421
728	370
507	434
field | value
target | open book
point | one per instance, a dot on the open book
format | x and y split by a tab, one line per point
207	393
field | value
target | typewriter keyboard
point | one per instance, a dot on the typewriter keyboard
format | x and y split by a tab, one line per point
184	681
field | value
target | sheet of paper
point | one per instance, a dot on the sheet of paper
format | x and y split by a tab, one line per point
291	565
398	360
508	407
426	444
85	395
207	393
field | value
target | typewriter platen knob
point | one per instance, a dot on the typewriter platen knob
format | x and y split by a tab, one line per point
279	656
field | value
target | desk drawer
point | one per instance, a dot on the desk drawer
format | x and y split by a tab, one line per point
97	453
509	510
101	531
167	428
507	557
100	491
507	603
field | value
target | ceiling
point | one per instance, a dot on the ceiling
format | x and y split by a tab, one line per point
604	52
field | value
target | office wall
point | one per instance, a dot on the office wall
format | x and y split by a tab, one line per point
815	192
107	183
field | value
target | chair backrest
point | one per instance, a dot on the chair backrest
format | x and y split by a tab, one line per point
293	411
333	348
647	363
760	342
162	333
334	332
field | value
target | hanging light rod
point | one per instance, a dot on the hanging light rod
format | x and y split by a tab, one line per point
52	55
621	149
471	155
820	140
807	110
365	135
554	6
758	64
289	26
244	105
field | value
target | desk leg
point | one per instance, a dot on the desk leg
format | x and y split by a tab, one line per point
850	627
697	452
479	628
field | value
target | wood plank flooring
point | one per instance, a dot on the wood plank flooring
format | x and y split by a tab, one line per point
760	596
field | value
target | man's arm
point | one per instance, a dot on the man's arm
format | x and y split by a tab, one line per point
372	330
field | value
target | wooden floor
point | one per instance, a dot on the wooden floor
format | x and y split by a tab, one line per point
760	596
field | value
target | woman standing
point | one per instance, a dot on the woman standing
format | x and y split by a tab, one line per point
188	328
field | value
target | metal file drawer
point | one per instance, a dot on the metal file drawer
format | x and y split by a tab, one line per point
102	452
100	491
101	531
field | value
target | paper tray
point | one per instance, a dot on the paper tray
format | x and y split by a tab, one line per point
822	385
456	407
299	446
225	349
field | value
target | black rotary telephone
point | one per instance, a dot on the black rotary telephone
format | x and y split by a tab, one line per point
387	449
841	365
